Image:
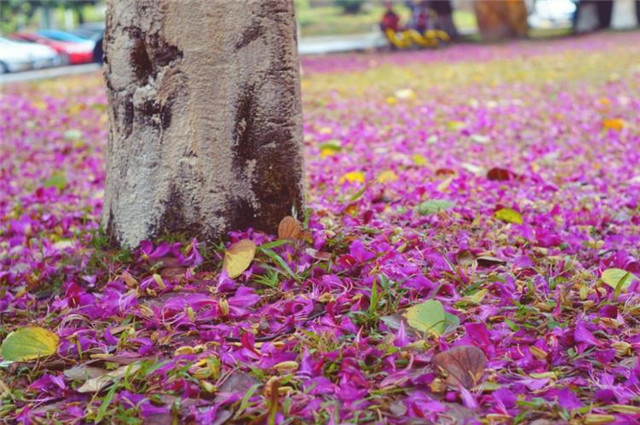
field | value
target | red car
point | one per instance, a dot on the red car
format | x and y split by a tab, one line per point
72	53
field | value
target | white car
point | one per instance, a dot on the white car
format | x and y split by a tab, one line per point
19	56
12	58
551	13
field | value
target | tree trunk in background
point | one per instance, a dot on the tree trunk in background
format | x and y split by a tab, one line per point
499	19
205	118
80	14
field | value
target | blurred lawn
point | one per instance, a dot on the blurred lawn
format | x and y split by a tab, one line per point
330	20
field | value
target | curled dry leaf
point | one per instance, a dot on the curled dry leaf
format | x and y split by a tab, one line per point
238	257
173	273
83	372
94	385
235	382
465	257
456	414
289	228
462	365
488	260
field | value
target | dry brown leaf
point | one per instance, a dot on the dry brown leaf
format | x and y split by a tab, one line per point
289	228
172	273
96	384
499	174
463	365
81	373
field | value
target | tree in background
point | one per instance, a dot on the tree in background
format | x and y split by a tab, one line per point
18	13
349	6
205	118
498	19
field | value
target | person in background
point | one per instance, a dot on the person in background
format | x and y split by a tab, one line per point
412	5
390	20
444	17
420	18
97	51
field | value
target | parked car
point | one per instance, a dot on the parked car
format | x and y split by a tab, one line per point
552	13
66	37
13	58
92	31
40	56
71	53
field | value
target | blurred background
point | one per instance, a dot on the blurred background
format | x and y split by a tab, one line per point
42	34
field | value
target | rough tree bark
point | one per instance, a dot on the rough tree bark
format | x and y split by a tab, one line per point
205	117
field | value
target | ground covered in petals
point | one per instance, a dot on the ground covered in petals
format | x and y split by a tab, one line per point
472	255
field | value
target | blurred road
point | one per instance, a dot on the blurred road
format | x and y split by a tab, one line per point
308	46
340	43
48	73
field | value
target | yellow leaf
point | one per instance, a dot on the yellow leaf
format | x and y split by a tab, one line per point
509	215
327	152
477	297
628	409
444	184
29	344
615	124
604	102
419	159
238	257
387	176
353	176
595	418
455	125
184	350
391	100
286	367
539	353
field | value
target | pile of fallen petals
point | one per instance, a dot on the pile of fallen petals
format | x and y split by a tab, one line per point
499	182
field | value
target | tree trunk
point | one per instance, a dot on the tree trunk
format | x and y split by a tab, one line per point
205	118
500	19
80	14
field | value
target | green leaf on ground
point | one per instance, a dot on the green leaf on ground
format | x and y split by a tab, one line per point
430	316
58	179
508	215
433	206
618	279
29	344
73	134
